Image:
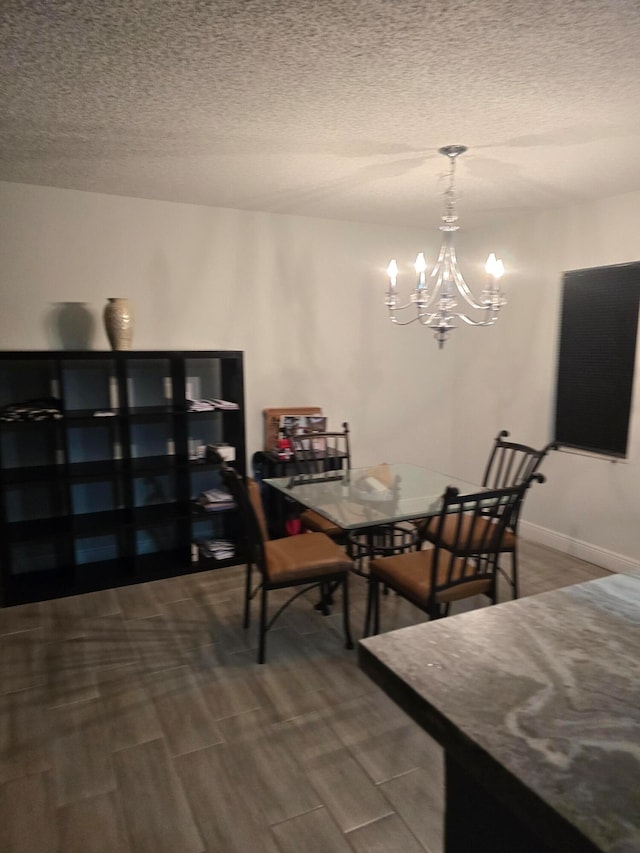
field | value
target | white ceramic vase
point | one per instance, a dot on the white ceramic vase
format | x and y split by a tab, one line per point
118	323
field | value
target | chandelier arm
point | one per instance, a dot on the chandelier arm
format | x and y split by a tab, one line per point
438	273
397	322
419	317
463	287
439	261
429	298
393	308
471	322
429	320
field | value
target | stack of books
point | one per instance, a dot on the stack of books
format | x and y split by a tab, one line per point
225	404
219	549
214	500
211	405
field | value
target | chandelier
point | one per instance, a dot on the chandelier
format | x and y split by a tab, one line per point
435	302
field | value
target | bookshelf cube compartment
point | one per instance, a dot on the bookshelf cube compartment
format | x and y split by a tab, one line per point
152	438
203	379
23	380
35	501
96	549
149	383
96	442
216	538
154	489
37	556
156	539
203	479
31	444
89	386
204	428
94	496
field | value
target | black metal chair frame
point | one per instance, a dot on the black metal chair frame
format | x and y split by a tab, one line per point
256	557
511	464
312	459
383	540
472	554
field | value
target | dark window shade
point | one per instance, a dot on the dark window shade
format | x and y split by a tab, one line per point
596	358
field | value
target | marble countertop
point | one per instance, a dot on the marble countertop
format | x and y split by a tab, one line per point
539	696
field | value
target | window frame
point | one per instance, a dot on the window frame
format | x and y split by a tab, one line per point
597	342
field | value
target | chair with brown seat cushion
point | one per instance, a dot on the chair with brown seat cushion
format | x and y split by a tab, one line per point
307	561
461	562
509	464
321	453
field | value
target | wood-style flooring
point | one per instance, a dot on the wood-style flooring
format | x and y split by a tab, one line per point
136	719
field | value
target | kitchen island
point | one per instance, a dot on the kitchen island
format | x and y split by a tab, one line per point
536	703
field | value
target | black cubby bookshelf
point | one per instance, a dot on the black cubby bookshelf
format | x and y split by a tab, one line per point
102	493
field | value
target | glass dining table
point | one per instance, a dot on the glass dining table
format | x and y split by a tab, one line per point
356	500
370	511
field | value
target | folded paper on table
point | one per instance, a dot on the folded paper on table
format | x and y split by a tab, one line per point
377	484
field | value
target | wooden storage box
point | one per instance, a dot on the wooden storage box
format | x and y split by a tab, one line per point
272	421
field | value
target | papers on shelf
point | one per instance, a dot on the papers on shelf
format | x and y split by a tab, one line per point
214	500
211	405
219	549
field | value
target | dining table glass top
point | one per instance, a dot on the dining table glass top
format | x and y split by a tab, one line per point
357	499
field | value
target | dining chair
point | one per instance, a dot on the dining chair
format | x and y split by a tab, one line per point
321	453
305	562
510	464
461	561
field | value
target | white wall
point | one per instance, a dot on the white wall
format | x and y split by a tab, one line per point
303	299
589	506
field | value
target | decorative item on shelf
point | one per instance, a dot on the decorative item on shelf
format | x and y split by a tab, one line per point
219	453
118	323
283	449
436	307
272	420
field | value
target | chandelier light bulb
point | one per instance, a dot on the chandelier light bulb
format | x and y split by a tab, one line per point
392	272
494	266
421	267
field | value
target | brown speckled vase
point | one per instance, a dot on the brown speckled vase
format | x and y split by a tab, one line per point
118	323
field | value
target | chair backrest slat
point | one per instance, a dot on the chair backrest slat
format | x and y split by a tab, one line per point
320	452
249	502
255	499
467	539
511	463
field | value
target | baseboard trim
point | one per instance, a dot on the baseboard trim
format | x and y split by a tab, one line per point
609	560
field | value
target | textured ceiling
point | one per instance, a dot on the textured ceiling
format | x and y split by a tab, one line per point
331	108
